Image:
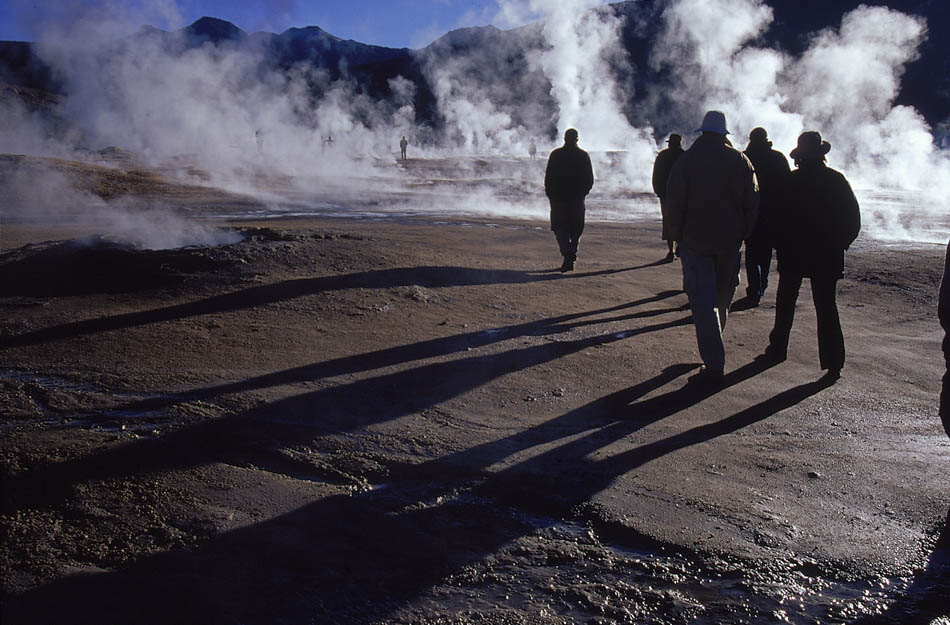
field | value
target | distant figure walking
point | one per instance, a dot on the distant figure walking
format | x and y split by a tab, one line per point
712	199
533	150
568	179
661	174
943	312
328	143
259	137
403	144
817	221
771	171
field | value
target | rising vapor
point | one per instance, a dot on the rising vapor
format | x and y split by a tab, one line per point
204	107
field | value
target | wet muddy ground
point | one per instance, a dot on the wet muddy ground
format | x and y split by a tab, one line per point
339	421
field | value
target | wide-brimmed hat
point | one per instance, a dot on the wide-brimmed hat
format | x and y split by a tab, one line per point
714	121
674	139
810	145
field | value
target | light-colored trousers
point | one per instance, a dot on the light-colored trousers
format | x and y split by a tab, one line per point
710	281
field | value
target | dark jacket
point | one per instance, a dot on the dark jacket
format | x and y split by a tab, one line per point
817	221
771	171
662	167
568	178
712	197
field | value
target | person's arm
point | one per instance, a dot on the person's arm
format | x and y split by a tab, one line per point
676	199
852	214
588	175
943	300
750	197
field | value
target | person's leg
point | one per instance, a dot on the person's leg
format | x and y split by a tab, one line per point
764	256
699	280
727	279
789	283
751	270
830	337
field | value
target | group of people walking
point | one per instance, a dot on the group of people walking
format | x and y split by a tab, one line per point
714	198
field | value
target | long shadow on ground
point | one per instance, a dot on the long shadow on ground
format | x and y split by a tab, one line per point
429	277
357	559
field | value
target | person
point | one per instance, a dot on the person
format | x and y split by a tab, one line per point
817	221
943	313
771	171
403	144
533	150
259	137
712	199
661	173
568	178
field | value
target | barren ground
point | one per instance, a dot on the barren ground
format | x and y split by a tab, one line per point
356	421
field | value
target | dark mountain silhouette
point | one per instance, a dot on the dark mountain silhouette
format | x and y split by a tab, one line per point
495	63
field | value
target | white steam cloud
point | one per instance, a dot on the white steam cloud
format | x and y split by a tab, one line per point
265	133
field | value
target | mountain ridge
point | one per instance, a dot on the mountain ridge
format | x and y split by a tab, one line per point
486	52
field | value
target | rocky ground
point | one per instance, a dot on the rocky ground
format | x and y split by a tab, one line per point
363	421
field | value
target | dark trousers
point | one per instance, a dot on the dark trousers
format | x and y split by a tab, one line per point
758	259
567	239
830	337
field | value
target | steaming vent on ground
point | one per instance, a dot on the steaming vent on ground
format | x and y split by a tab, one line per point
99	264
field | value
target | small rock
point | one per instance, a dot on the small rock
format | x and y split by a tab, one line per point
558	392
814	475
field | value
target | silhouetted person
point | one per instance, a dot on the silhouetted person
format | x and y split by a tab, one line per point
661	174
328	143
712	200
771	171
403	144
817	221
568	179
533	150
259	137
943	312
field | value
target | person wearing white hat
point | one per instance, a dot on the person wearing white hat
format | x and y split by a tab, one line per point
713	200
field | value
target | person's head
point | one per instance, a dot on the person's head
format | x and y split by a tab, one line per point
759	136
675	140
810	147
570	137
714	122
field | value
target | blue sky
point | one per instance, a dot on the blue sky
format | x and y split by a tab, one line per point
393	23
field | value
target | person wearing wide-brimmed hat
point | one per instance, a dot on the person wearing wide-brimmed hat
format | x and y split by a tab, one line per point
662	167
817	221
712	199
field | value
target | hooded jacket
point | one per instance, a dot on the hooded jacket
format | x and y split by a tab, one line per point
712	196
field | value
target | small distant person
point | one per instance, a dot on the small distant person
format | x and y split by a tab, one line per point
712	199
943	312
259	137
661	173
817	221
533	150
771	171
328	143
403	144
568	178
